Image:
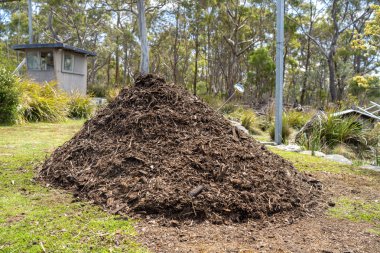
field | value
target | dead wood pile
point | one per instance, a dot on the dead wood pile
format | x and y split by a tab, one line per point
156	149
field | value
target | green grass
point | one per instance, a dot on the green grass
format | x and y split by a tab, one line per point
33	217
358	211
310	163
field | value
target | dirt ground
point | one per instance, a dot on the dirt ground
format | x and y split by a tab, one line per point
321	233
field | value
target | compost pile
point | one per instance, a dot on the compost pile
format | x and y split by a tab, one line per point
158	150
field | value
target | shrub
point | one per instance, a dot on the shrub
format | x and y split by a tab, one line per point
228	108
9	97
97	90
285	129
297	119
80	107
337	130
250	121
112	93
214	101
342	135
42	102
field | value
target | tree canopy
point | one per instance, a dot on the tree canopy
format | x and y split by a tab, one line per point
331	47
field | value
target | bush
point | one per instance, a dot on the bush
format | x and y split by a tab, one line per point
80	107
112	93
9	97
97	90
228	108
297	119
250	121
42	102
337	130
340	135
285	130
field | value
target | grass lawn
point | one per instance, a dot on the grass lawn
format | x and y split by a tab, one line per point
34	218
37	219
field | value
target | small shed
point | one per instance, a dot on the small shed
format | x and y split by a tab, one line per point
57	61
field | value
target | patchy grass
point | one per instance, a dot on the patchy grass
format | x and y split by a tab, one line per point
34	218
358	210
310	163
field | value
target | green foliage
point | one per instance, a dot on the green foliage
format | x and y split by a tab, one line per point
262	76
365	87
285	129
42	103
9	97
80	107
342	135
336	130
112	93
297	119
250	121
228	108
97	90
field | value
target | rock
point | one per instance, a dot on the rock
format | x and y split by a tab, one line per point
331	204
339	159
371	167
316	153
290	148
239	126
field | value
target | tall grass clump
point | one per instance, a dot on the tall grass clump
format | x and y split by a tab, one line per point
285	129
339	130
297	119
80	106
43	103
9	97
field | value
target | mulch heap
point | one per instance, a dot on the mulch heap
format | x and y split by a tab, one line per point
158	150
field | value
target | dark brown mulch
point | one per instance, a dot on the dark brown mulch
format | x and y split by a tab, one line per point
157	149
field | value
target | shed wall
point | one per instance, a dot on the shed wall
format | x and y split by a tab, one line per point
69	82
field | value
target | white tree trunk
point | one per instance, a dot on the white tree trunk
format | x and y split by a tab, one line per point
144	63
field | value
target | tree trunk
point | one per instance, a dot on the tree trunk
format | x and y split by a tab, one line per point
117	57
196	62
109	72
308	54
175	50
332	84
144	63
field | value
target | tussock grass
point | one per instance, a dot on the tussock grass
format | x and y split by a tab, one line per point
42	103
80	107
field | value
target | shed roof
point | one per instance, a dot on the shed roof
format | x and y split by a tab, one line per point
358	111
53	45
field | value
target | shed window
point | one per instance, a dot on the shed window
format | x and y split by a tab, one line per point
33	60
47	62
40	60
68	62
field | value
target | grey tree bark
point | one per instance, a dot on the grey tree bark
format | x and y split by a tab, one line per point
144	63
